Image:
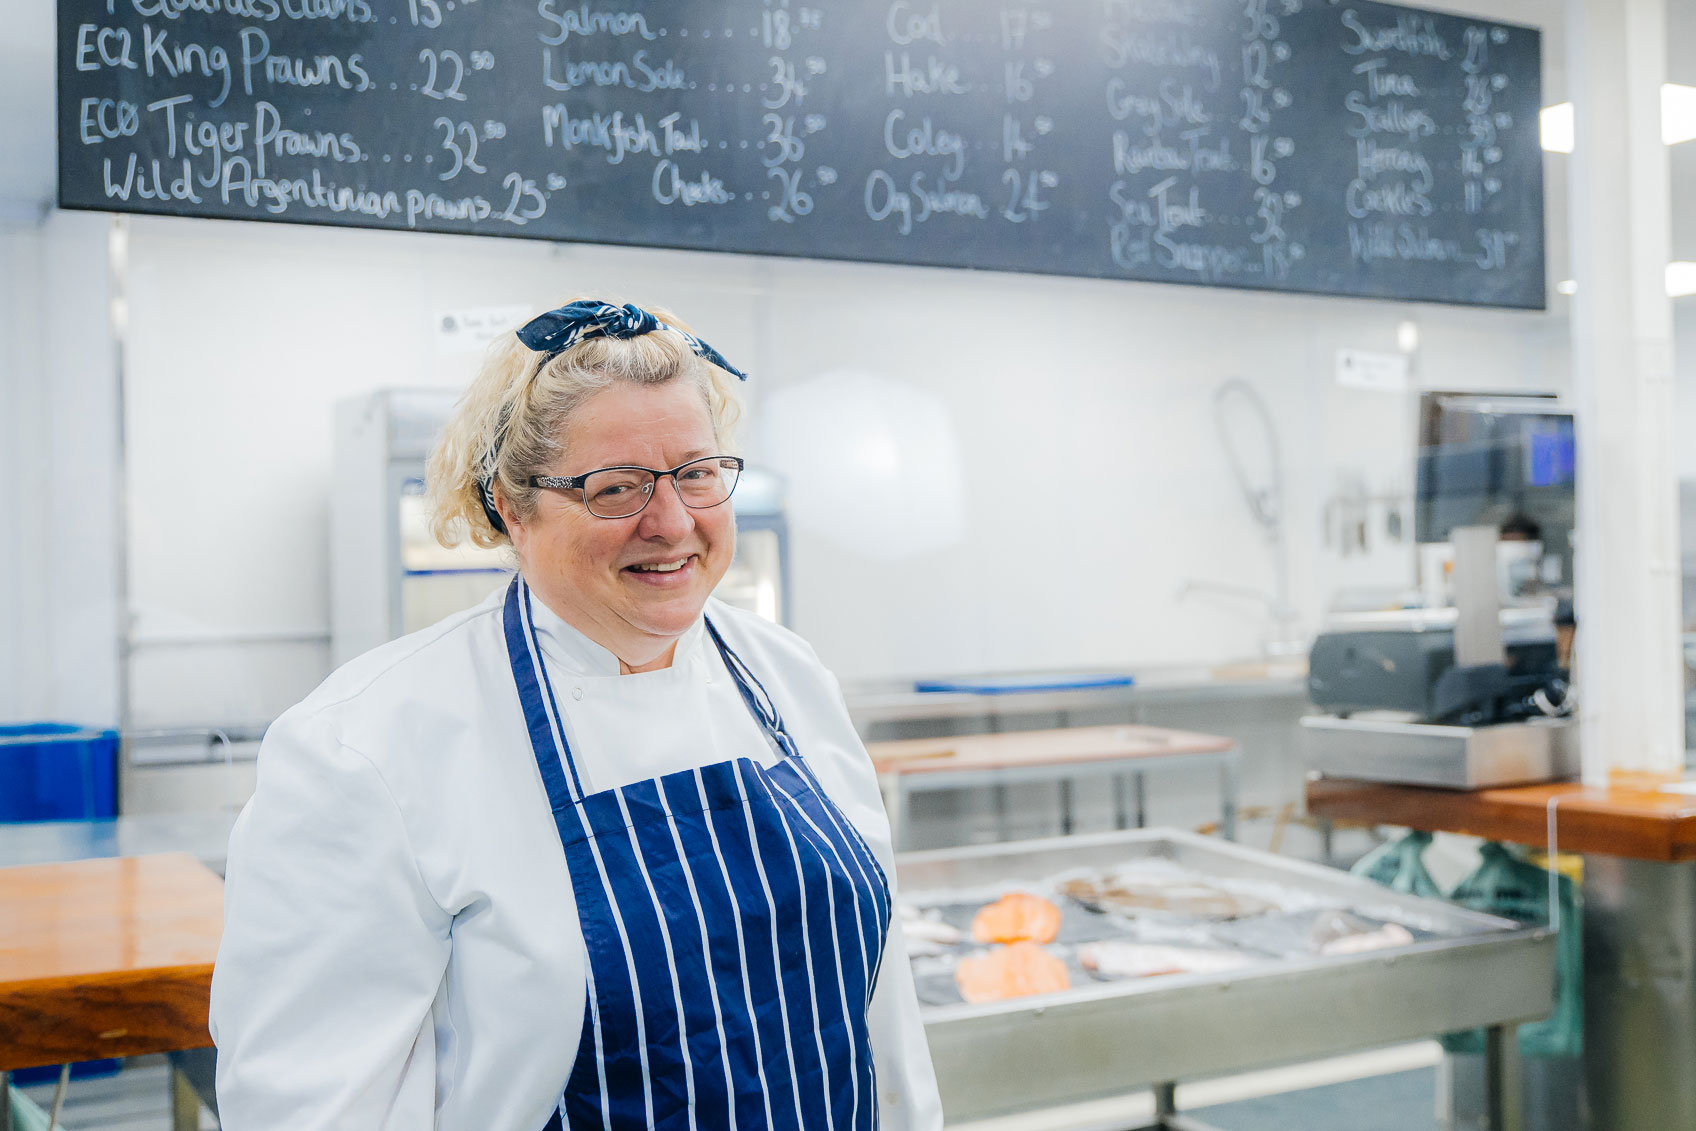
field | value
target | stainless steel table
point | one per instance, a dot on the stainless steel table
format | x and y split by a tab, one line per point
1063	755
1468	970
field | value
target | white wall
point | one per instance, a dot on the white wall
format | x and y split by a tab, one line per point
242	337
59	474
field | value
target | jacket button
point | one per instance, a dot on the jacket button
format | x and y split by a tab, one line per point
577	693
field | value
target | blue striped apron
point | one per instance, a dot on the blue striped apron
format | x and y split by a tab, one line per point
734	922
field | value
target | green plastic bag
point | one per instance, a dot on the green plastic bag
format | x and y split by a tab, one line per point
1505	885
26	1116
1400	866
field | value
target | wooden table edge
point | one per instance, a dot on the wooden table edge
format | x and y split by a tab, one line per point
1662	839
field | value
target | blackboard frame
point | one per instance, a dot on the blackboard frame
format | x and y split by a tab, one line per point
920	256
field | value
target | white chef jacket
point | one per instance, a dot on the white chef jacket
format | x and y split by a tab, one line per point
401	944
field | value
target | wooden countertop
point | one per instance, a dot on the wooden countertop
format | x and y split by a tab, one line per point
106	958
1026	748
1632	818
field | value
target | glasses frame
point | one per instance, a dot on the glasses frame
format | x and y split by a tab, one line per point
576	482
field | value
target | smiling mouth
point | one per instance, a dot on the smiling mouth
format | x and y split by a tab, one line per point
660	567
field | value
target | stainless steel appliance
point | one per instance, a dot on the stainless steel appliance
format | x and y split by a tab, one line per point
1460	970
1472	695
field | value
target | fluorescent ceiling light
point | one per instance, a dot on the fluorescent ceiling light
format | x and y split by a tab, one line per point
1681	280
1557	127
1678	119
1678	113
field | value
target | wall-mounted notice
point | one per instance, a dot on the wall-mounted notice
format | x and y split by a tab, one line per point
1305	145
1364	369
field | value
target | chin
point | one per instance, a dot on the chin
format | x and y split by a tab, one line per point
672	617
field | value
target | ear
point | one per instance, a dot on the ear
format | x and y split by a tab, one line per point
514	529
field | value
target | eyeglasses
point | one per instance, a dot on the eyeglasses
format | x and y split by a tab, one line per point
620	492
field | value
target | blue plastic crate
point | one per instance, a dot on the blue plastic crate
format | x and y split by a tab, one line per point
81	1070
57	772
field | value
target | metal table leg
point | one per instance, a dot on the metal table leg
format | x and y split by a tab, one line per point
1502	1099
194	1086
895	807
1639	992
185	1104
1228	797
1067	820
1121	817
1166	1116
1141	782
1165	1102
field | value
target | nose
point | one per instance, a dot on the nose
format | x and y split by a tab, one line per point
665	517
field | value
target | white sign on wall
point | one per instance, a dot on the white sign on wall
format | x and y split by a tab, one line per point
471	330
1363	369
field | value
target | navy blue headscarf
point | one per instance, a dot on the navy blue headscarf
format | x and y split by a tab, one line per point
553	333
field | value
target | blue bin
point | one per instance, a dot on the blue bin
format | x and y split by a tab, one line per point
57	772
81	1070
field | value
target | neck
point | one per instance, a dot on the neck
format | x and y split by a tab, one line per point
626	667
635	651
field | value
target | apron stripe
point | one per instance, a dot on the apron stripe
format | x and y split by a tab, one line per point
702	983
778	966
670	957
839	1019
612	906
838	844
600	1053
818	1015
537	706
550	703
747	969
706	952
820	836
883	907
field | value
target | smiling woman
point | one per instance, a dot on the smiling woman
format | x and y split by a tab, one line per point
603	852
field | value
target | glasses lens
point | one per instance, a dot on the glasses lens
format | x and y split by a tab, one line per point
707	482
617	492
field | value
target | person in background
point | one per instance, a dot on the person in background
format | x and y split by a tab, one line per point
601	852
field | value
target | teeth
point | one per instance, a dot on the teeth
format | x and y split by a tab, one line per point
662	567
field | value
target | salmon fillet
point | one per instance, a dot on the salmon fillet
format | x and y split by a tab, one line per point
1010	971
1018	917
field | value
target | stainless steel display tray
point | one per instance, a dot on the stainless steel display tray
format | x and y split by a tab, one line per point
1113	1037
1449	757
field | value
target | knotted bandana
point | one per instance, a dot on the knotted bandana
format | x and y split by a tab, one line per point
558	330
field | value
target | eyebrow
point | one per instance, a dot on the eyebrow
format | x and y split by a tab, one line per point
688	457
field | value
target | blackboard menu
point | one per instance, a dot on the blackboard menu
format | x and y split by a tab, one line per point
1302	145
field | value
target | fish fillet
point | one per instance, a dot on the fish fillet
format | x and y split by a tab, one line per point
1010	971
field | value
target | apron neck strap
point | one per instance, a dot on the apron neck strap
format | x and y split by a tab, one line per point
536	695
762	706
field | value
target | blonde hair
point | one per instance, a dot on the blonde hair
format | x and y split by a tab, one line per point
507	427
